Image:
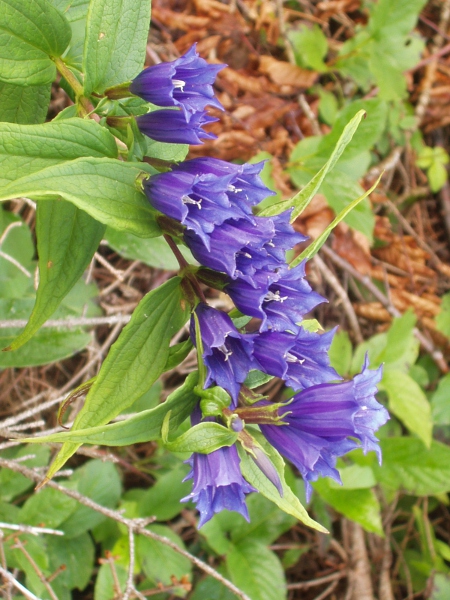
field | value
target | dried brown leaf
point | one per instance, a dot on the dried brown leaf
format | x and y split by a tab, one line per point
283	73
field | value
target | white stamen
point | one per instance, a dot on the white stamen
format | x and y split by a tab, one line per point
232	188
189	200
293	359
225	351
275	296
178	83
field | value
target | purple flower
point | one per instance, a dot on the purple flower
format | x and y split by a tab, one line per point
288	300
321	419
301	360
198	201
227	353
232	238
185	82
172	126
218	483
245	188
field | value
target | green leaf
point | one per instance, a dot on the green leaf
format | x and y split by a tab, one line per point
47	346
267	522
301	200
354	477
77	555
13	484
35	510
289	503
313	248
105	188
143	427
30	34
441	585
67	239
100	482
443	318
310	47
203	438
106	582
408	402
162	500
27	149
440	405
401	348
75	12
154	252
24	105
359	505
408	465
339	190
257	571
212	589
135	361
256	378
116	41
437	176
340	353
159	562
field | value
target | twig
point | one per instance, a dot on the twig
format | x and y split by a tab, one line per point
15	262
305	585
71	322
343	297
39	573
7	575
327	591
30	529
136	525
426	343
131	547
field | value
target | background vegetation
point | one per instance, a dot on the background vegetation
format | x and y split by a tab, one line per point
298	71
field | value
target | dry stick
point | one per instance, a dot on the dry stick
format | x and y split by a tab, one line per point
30	529
327	591
7	584
426	343
72	322
136	525
434	259
337	287
39	573
129	586
304	585
7	575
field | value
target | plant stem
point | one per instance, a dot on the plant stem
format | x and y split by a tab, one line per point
84	105
183	264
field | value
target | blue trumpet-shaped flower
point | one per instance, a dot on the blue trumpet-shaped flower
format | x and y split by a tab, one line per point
218	482
300	359
227	354
185	82
200	202
288	300
326	421
171	126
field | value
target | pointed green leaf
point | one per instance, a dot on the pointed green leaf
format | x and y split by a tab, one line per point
30	33
116	41
134	362
301	200
105	188
203	438
26	149
143	427
256	570
359	505
67	239
24	105
408	402
289	501
313	248
410	466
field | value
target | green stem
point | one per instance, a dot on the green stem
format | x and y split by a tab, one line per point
85	106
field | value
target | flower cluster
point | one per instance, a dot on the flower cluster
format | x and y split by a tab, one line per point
185	86
244	255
